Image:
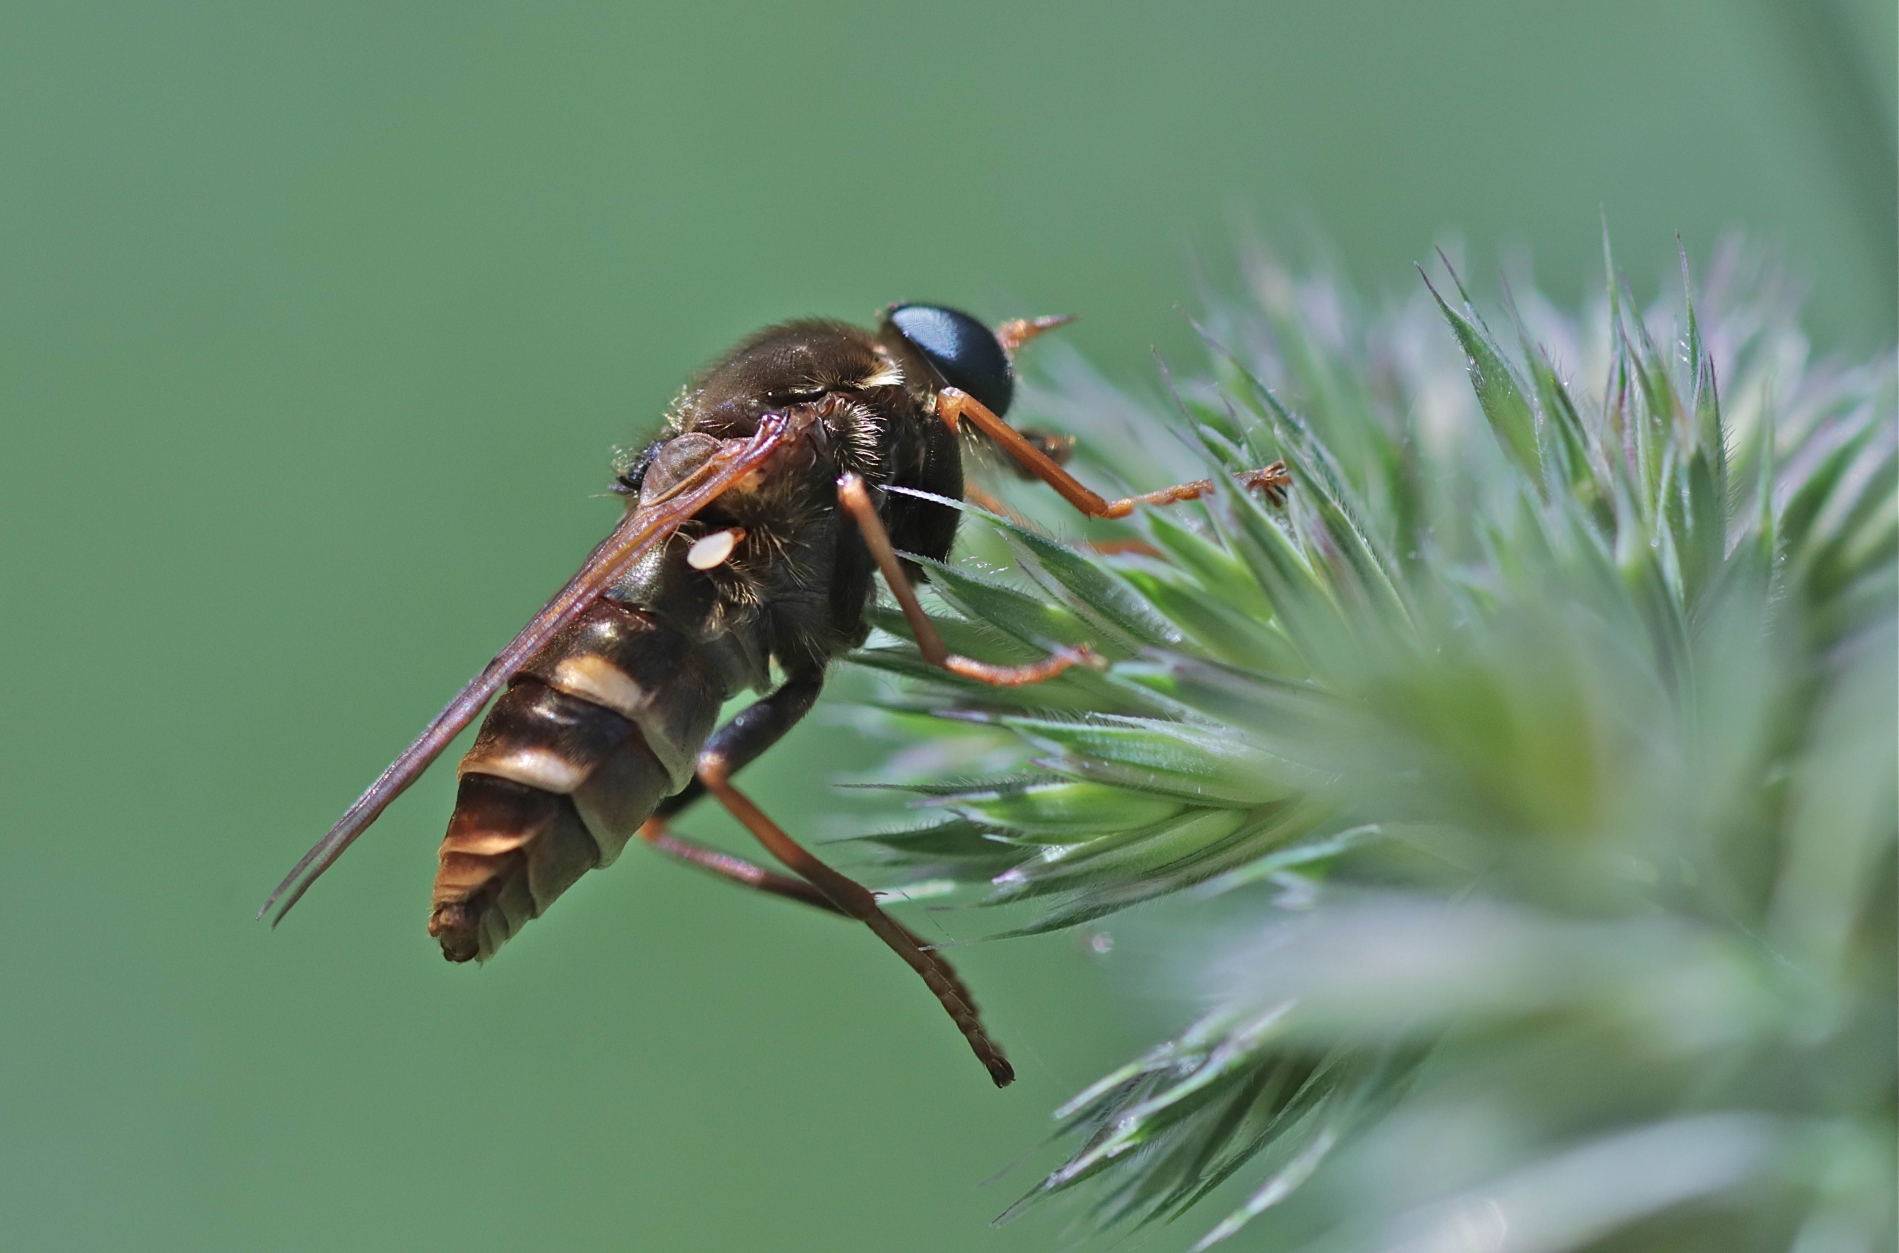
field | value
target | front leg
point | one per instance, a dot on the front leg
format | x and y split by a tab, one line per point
953	406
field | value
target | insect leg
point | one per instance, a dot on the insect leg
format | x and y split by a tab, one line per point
740	741
859	902
855	498
1057	448
737	744
734	869
1107	547
745	874
751	731
953	406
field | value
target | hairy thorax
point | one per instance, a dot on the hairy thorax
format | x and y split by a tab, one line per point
787	582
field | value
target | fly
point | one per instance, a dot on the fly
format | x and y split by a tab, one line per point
754	526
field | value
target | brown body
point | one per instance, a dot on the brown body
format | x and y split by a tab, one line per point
752	532
605	721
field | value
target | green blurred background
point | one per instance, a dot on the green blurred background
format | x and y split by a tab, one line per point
316	325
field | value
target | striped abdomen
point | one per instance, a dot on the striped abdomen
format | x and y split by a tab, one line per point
594	732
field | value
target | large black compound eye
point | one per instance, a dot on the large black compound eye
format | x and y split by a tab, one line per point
963	350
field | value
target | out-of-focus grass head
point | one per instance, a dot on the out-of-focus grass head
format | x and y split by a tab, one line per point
1541	753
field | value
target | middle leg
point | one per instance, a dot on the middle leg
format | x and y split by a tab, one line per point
855	498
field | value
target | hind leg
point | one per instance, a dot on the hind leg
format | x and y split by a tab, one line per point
750	732
853	898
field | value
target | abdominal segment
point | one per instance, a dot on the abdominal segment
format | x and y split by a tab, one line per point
596	730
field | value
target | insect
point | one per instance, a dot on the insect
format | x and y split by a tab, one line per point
752	531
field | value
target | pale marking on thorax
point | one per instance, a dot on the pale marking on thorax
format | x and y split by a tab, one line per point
712	550
889	374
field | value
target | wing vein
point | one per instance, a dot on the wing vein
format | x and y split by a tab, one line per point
635	536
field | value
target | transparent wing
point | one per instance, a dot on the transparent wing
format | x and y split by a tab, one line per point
635	535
